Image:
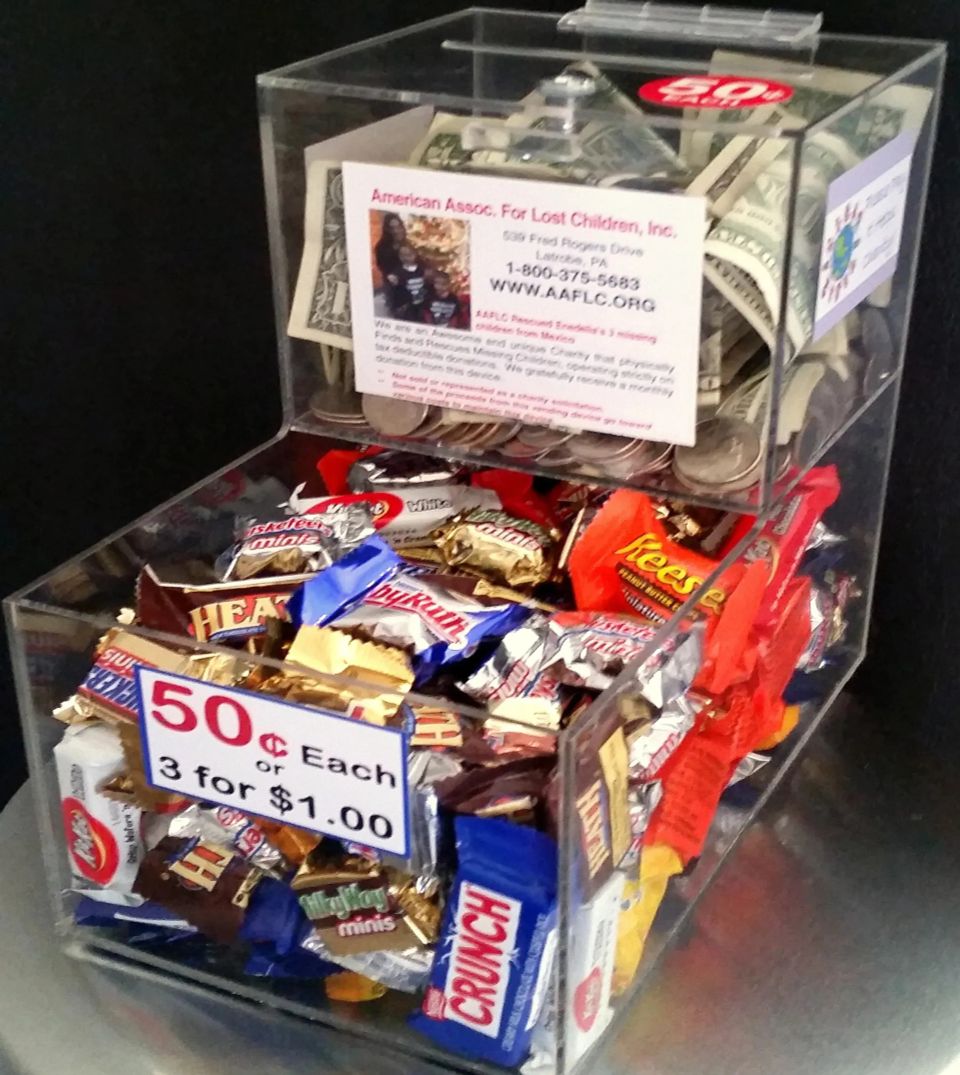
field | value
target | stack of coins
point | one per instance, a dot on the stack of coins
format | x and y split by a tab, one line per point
727	458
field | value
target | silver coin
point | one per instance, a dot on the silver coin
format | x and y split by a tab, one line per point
433	423
336	404
727	450
452	435
475	437
542	437
649	457
877	339
600	447
505	431
394	417
516	449
556	457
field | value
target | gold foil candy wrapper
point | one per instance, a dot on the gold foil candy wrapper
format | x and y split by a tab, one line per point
380	676
499	546
422	914
144	794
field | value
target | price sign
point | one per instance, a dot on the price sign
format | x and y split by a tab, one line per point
714	91
304	767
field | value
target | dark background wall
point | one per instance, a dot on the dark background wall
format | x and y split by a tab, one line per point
139	340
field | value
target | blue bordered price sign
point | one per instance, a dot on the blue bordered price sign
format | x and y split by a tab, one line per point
302	766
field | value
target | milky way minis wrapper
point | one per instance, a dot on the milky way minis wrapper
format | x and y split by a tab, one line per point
490	977
499	546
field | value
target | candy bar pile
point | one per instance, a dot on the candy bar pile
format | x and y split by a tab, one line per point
481	613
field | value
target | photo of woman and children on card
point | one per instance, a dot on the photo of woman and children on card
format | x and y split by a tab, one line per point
421	269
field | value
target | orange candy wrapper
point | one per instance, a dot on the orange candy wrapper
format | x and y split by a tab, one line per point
625	562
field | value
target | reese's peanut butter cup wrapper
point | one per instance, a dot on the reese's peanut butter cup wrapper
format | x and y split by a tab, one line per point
207	884
626	562
501	547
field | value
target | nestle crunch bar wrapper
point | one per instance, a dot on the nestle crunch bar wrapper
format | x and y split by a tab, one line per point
103	836
490	976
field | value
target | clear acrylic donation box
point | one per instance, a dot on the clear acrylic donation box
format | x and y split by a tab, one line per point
433	716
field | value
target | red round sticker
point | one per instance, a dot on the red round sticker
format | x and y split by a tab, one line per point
714	91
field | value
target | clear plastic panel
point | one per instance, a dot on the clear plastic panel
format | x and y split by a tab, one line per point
511	97
842	567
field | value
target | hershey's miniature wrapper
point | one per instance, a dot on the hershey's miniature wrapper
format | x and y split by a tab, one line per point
389	469
216	612
102	835
228	826
207	884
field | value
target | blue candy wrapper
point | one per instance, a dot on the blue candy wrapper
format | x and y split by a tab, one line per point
299	964
333	591
432	622
147	924
490	977
274	917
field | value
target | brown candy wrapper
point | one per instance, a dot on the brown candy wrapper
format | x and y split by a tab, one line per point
501	547
214	612
511	789
206	884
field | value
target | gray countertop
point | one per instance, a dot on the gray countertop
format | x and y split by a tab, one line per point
828	943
